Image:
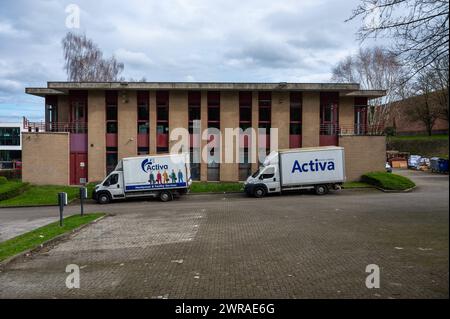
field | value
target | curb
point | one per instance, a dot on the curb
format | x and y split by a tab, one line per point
71	202
408	190
49	242
216	193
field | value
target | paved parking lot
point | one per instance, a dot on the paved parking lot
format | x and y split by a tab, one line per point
290	246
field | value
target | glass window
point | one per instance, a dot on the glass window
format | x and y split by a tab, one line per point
111	127
264	114
213	114
10	136
143	113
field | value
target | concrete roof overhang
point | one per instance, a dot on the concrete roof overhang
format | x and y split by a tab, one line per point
344	89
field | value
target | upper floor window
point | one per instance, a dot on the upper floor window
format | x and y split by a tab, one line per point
143	113
245	110
265	112
111	112
214	110
194	98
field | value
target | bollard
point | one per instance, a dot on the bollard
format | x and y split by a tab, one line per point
62	201
83	196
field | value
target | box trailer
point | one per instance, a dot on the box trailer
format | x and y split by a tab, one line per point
318	168
163	176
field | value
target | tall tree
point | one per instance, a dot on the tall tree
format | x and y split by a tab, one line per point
374	68
423	107
419	28
84	60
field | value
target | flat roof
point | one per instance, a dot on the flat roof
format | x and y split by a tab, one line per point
350	89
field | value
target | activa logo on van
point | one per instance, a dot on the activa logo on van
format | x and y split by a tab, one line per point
313	166
148	165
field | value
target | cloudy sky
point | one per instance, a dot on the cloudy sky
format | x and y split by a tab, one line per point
174	40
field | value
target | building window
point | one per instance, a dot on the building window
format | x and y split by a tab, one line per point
143	150
51	113
111	112
195	164
111	159
78	111
162	121
360	111
143	113
213	166
295	120
194	98
245	110
329	113
10	136
245	167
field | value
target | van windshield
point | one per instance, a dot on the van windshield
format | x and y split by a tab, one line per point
255	173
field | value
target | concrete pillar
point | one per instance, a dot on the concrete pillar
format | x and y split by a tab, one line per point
229	118
204	126
311	119
127	124
178	114
280	117
63	108
255	119
346	114
152	122
96	135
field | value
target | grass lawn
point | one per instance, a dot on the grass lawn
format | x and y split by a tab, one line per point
12	188
350	185
419	137
387	181
215	187
40	235
43	195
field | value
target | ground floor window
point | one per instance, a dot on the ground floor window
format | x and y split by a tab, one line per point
245	167
195	165
111	159
143	150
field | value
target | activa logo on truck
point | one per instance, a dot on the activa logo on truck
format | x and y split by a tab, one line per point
148	165
313	166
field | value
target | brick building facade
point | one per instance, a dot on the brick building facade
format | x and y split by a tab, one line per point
89	126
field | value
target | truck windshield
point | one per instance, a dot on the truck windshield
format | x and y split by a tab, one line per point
255	173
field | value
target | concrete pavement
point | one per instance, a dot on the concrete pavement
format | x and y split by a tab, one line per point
290	246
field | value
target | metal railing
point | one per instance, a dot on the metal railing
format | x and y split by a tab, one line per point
351	129
71	127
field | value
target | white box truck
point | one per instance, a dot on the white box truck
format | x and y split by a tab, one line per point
318	168
163	176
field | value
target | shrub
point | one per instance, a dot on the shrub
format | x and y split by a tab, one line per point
387	181
3	180
12	189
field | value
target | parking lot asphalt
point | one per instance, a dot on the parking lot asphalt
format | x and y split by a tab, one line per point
231	246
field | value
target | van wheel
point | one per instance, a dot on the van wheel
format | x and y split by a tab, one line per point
321	189
259	192
165	196
103	198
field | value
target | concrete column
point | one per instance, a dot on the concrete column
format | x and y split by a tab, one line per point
229	118
255	119
204	126
63	108
152	122
347	114
280	117
178	113
127	124
311	119
96	135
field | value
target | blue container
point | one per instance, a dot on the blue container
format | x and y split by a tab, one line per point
434	164
443	165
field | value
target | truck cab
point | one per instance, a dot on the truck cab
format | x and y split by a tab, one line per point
264	181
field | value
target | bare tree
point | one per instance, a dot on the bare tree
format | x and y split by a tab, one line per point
374	68
84	60
423	107
419	28
440	83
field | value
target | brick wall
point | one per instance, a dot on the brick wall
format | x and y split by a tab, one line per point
127	124
281	117
229	118
96	136
311	119
363	154
45	158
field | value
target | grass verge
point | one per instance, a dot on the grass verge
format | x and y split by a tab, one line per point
35	195
436	137
40	235
213	187
350	185
387	181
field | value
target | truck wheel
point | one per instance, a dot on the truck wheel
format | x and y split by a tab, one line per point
103	198
321	189
165	196
259	192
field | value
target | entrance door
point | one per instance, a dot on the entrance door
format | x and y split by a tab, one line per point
78	168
